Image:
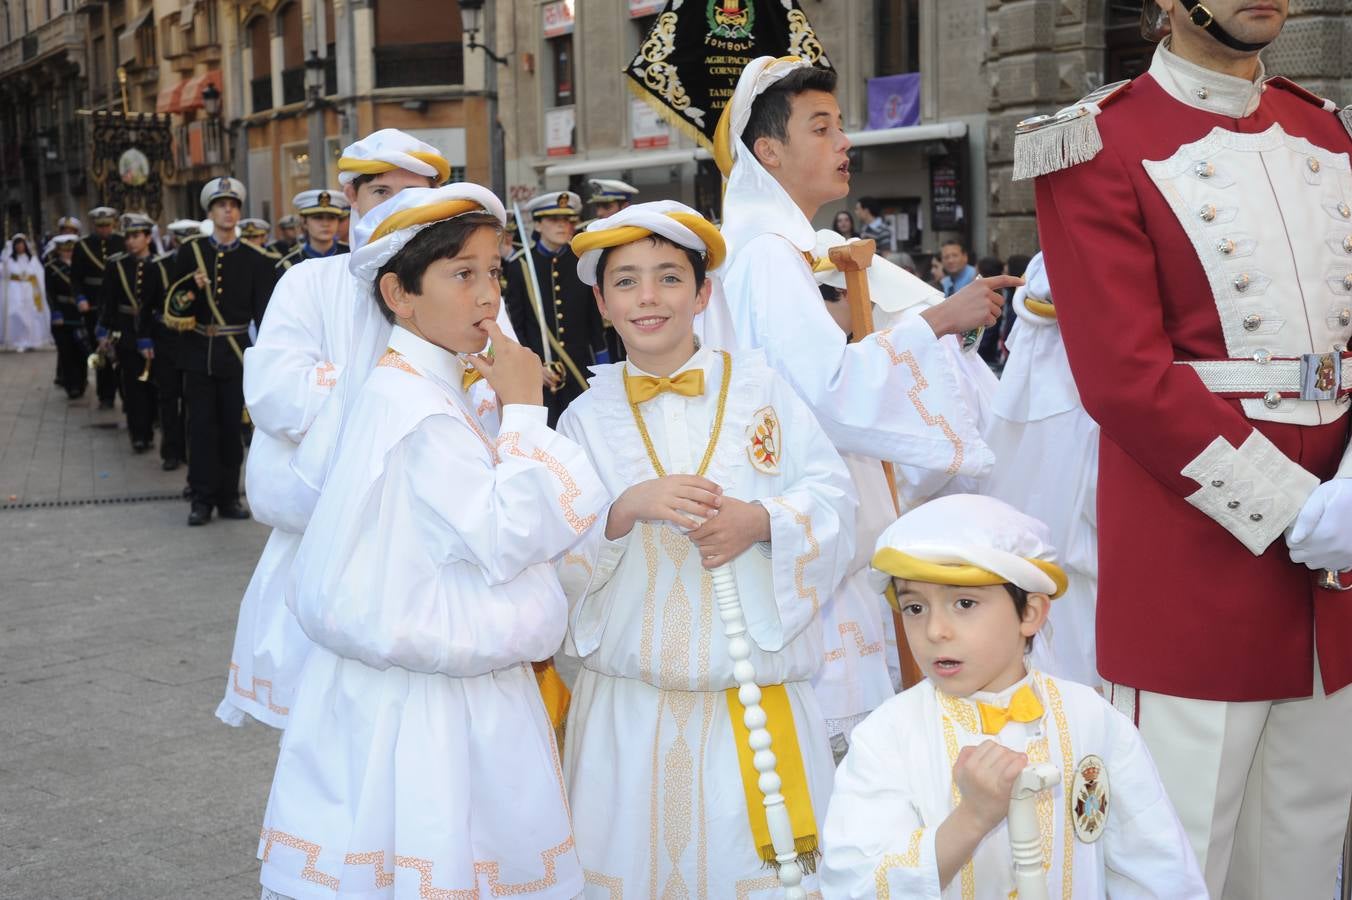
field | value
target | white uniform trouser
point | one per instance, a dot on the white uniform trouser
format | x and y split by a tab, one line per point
1262	788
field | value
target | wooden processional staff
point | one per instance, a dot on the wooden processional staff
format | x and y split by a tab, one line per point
853	260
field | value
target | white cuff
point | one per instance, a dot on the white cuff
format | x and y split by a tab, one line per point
1254	492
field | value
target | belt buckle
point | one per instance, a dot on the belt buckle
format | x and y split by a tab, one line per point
211	330
1320	374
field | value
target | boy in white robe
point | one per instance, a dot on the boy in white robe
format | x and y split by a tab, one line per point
419	759
1048	451
860	633
921	801
711	460
319	339
894	395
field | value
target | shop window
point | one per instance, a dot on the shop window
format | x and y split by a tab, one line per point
1126	53
413	48
898	36
561	53
260	50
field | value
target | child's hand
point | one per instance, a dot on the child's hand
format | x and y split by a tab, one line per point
985	777
513	371
977	305
727	535
679	499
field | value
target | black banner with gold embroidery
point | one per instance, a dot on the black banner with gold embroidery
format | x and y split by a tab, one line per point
689	62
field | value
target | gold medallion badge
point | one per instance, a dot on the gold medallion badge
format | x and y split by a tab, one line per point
1089	799
763	441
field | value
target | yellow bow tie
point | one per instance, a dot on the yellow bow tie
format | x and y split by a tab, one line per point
1024	706
471	377
640	388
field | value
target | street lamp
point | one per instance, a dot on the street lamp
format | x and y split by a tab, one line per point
314	89
471	17
211	101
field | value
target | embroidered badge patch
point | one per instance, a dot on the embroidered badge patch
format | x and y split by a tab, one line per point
763	441
1089	799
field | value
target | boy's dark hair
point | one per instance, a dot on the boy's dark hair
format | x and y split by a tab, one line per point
697	261
367	179
444	240
770	111
829	293
1020	598
871	204
989	267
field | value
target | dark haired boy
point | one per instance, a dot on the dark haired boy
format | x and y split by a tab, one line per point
893	395
713	461
920	803
418	747
318	341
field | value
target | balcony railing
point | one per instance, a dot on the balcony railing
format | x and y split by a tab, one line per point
293	85
411	65
260	90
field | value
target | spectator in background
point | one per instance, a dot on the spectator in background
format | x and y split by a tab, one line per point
844	225
869	212
936	272
1016	266
957	272
991	349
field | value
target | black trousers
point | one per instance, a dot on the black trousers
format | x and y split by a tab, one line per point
138	397
71	358
105	379
215	451
173	406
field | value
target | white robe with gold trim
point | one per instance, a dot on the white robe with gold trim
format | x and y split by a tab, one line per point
650	760
419	759
895	788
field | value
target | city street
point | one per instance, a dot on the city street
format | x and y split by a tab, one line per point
115	626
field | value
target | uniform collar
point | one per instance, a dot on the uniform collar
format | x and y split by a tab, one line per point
224	248
1205	89
312	253
699	361
544	251
429	359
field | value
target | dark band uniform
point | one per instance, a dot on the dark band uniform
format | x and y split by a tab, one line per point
214	323
133	288
569	309
168	375
68	329
88	272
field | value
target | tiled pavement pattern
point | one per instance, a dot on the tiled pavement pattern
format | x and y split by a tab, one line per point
116	779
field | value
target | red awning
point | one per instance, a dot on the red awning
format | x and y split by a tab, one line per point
187	94
167	101
191	98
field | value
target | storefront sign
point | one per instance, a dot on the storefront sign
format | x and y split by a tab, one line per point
945	203
640	8
559	131
646	128
558	18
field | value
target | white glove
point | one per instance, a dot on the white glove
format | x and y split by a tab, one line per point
1321	536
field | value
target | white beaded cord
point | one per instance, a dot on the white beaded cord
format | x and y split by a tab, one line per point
749	693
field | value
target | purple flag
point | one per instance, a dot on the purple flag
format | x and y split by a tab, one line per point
894	101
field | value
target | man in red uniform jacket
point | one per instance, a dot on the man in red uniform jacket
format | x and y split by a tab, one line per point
1197	228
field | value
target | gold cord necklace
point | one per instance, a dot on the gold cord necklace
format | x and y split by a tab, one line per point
713	436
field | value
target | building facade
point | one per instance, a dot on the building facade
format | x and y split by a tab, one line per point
982	65
266	90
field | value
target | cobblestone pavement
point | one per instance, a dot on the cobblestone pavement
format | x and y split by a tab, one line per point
116	779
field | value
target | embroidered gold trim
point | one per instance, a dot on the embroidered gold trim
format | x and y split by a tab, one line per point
713	435
908	860
1067	779
577	559
393	359
324	376
814	550
862	648
613	886
511	443
908	360
252	694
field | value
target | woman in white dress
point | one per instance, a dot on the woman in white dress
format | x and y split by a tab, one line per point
27	323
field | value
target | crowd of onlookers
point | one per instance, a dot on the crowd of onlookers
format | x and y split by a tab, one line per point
948	269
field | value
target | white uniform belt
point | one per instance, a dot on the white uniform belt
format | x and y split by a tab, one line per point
1311	376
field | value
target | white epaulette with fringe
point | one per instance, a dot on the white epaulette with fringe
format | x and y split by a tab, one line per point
1045	144
1346	115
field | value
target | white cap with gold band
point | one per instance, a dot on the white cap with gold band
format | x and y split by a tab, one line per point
388	228
321	201
674	221
968	540
389	149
